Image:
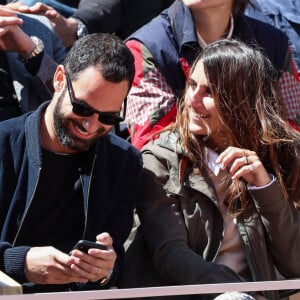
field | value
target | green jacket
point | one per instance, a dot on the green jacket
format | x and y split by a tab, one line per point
182	228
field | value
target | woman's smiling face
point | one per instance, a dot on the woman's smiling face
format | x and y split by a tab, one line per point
203	115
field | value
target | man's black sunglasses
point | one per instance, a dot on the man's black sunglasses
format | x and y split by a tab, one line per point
84	110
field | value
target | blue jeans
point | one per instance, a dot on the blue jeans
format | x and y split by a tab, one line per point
63	9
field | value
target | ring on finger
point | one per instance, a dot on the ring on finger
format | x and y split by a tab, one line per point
246	161
99	271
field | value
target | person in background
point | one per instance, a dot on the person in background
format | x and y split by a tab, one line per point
283	15
165	48
64	177
29	53
219	200
286	17
121	17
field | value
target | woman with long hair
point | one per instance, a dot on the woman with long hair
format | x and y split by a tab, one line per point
220	194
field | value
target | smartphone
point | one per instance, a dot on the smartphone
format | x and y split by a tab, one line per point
84	246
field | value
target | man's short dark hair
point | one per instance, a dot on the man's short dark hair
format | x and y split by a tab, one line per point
106	52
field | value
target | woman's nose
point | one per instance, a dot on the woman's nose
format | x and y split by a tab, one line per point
196	99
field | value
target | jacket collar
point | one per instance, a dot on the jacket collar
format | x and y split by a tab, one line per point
200	182
182	24
32	133
169	140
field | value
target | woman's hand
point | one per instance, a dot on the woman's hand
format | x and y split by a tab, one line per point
244	163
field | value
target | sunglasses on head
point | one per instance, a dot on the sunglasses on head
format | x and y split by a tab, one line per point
82	109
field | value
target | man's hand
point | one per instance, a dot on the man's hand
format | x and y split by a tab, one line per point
38	8
47	265
66	28
12	37
97	263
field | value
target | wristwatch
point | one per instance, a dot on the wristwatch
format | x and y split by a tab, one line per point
81	29
39	48
106	279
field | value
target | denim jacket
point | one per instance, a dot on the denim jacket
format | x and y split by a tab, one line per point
285	15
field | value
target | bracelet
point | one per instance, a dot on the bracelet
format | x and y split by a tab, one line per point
81	29
39	48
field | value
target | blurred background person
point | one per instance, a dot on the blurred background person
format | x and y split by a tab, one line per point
285	15
121	17
30	50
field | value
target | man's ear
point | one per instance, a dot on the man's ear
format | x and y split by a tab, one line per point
59	78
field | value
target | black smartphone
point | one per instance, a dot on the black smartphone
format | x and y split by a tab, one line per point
84	246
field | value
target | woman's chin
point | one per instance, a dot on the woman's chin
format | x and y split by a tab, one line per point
198	130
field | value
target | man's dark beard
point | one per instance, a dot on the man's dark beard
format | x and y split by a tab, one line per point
61	125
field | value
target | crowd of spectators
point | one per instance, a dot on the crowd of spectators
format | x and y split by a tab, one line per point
207	91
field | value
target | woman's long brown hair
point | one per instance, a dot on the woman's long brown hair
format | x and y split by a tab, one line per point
244	82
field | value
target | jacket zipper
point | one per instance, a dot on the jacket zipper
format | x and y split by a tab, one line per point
88	195
223	227
250	259
28	206
223	233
